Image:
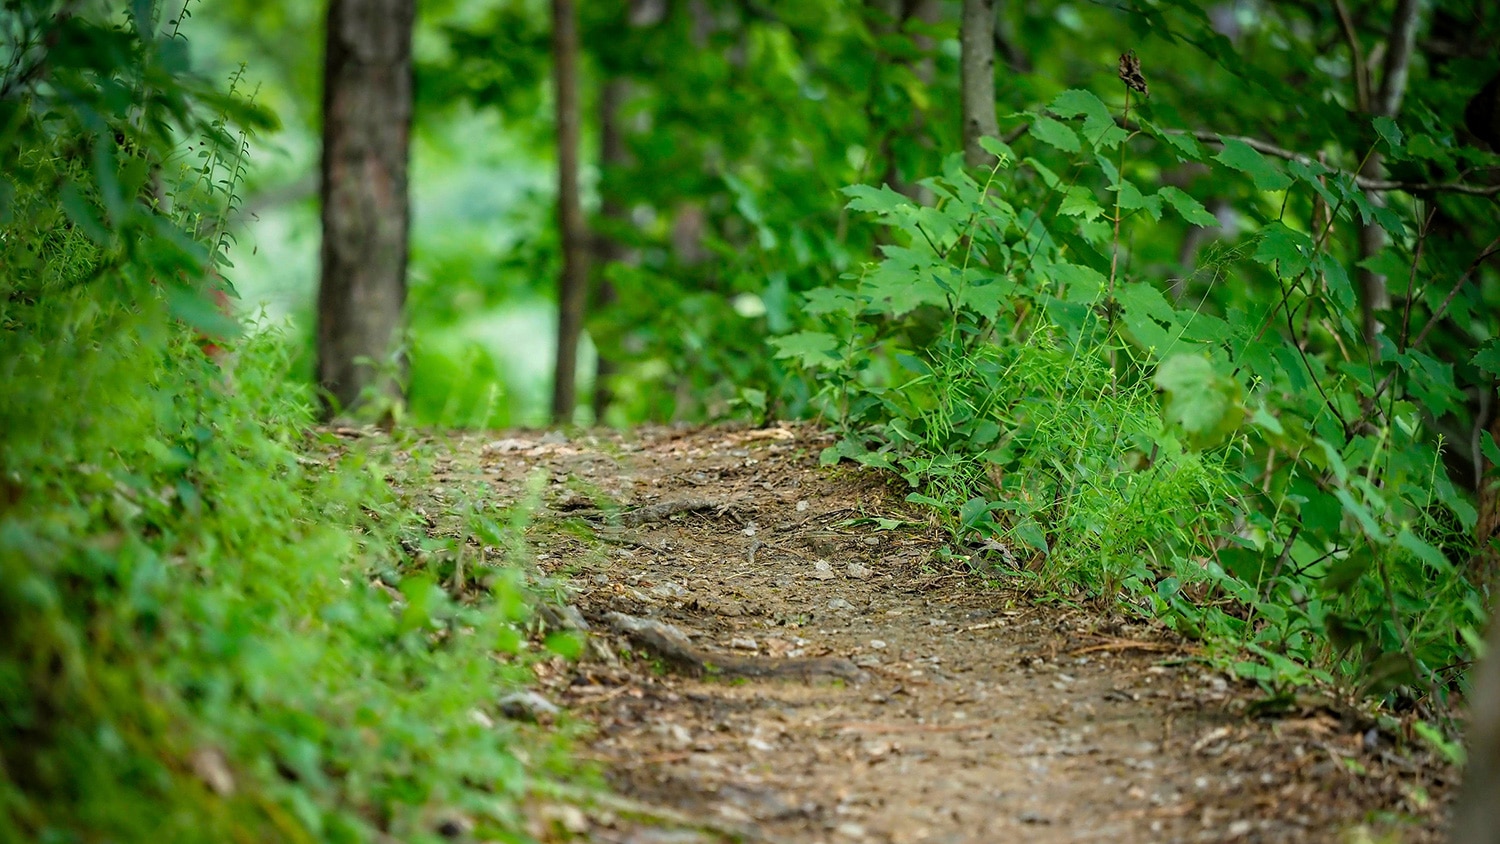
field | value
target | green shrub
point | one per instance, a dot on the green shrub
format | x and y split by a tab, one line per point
211	630
1238	464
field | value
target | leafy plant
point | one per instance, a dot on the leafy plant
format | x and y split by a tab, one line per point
1286	496
211	629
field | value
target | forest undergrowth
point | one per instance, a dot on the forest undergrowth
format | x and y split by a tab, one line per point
220	623
1240	466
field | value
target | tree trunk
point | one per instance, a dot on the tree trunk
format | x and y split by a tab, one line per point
367	107
613	157
977	78
1373	294
1486	563
1477	817
572	287
1476	820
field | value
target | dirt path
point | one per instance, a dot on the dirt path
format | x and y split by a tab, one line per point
980	717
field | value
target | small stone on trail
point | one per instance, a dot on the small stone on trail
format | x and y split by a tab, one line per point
1033	818
573	820
839	604
526	706
668	589
823	570
802	505
850	830
877	644
506	445
743	643
554	438
858	572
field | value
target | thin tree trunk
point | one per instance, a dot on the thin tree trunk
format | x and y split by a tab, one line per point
572	288
977	78
612	156
1476	820
1485	568
1374	295
367	108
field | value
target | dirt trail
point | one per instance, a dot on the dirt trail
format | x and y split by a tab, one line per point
981	716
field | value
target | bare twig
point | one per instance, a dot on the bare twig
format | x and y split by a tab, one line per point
1364	182
1356	56
1437	317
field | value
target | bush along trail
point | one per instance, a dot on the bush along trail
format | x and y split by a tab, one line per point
770	650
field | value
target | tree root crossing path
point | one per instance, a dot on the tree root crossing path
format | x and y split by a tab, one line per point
783	652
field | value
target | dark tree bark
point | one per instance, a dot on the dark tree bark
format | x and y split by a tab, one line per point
572	287
977	78
367	108
613	156
1476	820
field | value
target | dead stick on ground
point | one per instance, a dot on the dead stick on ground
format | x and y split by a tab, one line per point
885	729
1122	645
633	808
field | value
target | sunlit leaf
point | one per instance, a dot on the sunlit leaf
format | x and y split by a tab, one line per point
1242	157
1054	133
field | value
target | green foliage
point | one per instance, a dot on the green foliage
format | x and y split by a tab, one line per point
211	630
1286	497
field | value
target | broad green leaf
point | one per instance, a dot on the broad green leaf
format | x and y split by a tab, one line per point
1078	283
1054	133
1204	404
831	300
881	200
1313	174
1242	157
1132	199
999	149
973	511
1103	132
1488	357
1287	252
1076	101
1186	146
1338	281
1079	201
985	293
814	349
1389	132
1189	208
1031	533
1425	552
1362	515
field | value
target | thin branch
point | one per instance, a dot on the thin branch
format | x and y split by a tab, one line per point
1437	317
1356	56
1364	182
